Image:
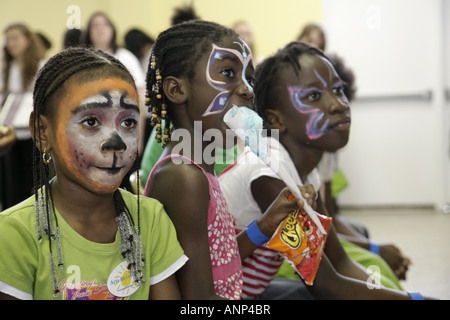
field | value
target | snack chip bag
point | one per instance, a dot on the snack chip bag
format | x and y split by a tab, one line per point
301	242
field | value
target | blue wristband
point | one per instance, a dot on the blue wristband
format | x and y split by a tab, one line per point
255	235
416	296
375	248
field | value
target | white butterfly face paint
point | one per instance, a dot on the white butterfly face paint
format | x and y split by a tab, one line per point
225	70
98	134
310	100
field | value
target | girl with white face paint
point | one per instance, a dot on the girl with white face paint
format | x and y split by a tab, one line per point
100	34
80	236
198	71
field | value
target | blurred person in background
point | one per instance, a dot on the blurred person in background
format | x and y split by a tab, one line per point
314	35
23	55
140	44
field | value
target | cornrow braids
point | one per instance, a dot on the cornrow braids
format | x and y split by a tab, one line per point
86	65
175	53
267	73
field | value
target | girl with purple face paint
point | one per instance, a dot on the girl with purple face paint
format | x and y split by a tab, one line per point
308	98
80	236
198	71
298	93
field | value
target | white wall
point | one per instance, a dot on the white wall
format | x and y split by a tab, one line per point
446	111
396	154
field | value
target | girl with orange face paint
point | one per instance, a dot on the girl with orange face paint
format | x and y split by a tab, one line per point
80	236
98	133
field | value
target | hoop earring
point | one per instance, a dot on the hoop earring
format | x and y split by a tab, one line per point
46	157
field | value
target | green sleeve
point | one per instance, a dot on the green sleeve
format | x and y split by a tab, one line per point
153	151
18	252
163	253
225	157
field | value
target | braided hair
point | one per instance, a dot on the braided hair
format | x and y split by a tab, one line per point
83	65
175	53
267	73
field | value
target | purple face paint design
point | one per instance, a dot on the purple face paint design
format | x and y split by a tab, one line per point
324	83
218	57
315	125
343	99
337	85
313	131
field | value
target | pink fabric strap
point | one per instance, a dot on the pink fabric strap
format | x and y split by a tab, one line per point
170	156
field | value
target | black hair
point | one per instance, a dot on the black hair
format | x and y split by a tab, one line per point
45	41
183	14
346	74
80	64
72	38
176	53
135	39
267	73
68	63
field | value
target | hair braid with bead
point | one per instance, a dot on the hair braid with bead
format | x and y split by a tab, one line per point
86	65
175	53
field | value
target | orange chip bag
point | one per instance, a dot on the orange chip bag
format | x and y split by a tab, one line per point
301	242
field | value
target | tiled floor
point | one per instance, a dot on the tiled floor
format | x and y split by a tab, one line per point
421	234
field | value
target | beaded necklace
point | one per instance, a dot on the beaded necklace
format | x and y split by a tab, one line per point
131	242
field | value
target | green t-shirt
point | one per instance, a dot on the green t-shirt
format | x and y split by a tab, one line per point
25	270
153	150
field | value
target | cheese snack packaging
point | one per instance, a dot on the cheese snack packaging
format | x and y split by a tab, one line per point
301	242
